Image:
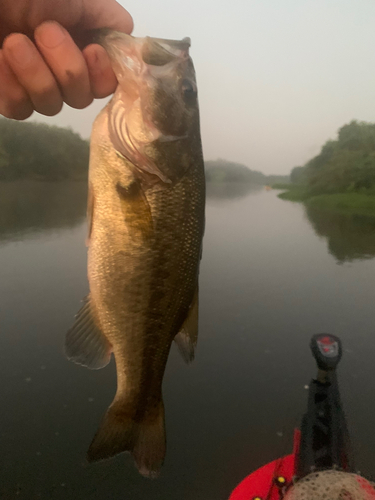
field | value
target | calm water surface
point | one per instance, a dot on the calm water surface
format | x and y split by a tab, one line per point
272	275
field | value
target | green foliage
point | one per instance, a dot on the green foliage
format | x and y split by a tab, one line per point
342	203
346	171
298	175
353	203
295	193
357	136
344	165
318	162
223	171
41	152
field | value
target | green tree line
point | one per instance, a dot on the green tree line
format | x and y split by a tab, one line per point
223	171
344	165
38	151
41	152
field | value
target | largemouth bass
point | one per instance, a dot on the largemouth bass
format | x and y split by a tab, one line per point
146	221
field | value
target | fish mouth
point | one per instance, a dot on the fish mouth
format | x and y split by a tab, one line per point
138	64
109	39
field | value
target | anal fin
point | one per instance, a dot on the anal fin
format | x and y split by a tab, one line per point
85	344
187	337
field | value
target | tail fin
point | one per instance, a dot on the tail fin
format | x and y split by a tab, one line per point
144	439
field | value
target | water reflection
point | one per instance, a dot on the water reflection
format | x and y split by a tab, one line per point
349	236
267	284
28	207
230	190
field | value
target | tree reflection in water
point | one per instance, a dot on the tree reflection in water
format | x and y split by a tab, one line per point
28	207
350	237
230	190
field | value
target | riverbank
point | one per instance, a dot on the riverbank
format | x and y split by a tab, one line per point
355	203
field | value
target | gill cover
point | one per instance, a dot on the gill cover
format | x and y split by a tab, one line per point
148	107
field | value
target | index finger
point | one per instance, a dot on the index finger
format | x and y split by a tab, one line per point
66	62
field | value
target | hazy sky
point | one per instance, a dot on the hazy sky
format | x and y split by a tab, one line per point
276	78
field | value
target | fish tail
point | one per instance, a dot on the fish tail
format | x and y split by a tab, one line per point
144	438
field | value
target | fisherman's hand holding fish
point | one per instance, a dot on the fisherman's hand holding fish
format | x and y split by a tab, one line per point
40	64
146	197
146	221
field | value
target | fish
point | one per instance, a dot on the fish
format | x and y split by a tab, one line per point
146	217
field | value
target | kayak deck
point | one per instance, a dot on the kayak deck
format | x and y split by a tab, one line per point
270	481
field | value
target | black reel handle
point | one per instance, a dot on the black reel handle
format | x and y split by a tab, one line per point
325	442
327	350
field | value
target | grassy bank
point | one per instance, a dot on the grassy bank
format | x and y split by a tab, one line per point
295	193
355	203
361	204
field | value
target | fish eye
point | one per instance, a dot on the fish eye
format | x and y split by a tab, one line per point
189	91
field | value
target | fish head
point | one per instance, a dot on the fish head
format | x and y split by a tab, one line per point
153	116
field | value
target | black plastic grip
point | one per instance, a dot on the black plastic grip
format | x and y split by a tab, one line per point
327	350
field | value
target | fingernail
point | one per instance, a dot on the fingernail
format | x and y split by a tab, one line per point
21	50
51	34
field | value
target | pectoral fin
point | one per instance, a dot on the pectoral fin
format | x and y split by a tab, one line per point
85	344
135	208
187	337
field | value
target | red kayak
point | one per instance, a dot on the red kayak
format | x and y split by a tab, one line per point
272	480
321	465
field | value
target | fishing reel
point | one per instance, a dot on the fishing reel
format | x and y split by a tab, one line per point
327	351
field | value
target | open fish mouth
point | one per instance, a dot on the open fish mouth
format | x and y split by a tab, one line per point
110	39
148	70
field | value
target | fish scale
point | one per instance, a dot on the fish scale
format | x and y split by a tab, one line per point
146	223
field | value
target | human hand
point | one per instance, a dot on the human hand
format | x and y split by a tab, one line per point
41	65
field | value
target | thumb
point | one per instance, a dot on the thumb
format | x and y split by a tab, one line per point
106	14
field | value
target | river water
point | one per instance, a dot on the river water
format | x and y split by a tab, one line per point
272	275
